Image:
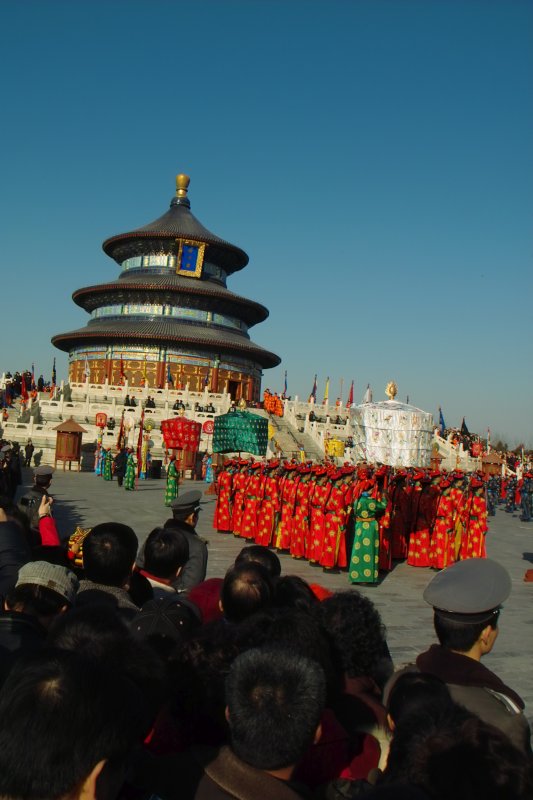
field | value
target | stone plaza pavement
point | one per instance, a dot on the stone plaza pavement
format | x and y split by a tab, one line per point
84	499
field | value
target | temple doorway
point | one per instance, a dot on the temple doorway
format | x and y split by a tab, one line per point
234	390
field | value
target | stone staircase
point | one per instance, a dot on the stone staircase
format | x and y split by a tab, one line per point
289	439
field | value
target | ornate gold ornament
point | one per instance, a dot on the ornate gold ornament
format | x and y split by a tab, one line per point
391	390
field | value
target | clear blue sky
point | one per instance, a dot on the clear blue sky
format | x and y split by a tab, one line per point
373	158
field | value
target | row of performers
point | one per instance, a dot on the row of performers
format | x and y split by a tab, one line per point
355	518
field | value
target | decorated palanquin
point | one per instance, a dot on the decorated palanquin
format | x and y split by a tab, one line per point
240	432
182	436
392	433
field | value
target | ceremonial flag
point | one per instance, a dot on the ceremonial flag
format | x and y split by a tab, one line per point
144	371
140	444
442	424
86	369
122	375
326	392
350	397
54	374
464	429
32	376
23	389
368	394
313	391
488	440
170	379
121	432
285	385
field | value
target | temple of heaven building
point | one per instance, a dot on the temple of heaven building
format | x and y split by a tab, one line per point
169	318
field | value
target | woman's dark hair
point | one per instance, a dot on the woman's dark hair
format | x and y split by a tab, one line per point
291	591
356	633
449	752
247	589
258	554
78	713
97	634
413	692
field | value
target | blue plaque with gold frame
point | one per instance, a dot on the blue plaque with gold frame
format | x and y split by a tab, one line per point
190	258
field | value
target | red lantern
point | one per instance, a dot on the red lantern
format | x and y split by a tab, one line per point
101	420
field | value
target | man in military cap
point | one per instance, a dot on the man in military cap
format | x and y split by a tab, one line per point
467	599
30	502
185	513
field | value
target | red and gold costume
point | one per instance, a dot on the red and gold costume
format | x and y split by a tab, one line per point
442	548
300	532
288	501
317	503
252	500
222	519
270	505
336	517
419	541
240	482
475	521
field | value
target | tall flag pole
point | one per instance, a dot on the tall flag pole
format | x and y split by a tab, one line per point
326	392
285	385
32	376
122	375
54	373
442	424
313	391
350	397
120	440
488	440
140	444
86	368
23	389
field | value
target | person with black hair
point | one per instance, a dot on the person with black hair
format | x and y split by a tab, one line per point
274	703
67	728
446	751
246	590
261	555
291	591
109	552
166	552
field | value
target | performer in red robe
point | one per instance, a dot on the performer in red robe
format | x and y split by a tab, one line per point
419	542
475	520
317	502
289	485
240	482
222	519
400	522
270	505
336	516
442	547
300	532
252	500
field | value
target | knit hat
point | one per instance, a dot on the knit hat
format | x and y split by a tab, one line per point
52	576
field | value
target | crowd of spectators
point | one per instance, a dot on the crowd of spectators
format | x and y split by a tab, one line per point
126	673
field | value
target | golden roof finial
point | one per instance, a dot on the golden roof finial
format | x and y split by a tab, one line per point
392	390
182	185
